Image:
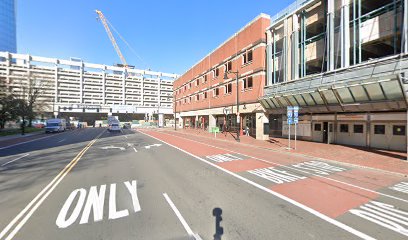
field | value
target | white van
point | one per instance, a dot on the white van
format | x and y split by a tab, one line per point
56	125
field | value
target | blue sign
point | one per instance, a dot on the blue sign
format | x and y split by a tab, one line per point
290	121
293	115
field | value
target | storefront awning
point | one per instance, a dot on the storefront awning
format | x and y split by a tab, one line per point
340	95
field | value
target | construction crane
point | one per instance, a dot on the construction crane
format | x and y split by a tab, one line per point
110	35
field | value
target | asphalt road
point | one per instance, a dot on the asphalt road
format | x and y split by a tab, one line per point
92	184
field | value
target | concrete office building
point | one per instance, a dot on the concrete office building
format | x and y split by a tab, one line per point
89	91
204	99
8	40
345	63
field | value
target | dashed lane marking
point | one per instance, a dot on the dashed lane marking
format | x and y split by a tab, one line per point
4	164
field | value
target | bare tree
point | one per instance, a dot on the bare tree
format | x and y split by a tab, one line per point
8	110
33	89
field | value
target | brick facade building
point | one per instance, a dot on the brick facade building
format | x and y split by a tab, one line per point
205	99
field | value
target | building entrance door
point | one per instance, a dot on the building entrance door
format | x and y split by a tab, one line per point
325	132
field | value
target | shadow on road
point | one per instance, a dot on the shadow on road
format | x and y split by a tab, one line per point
219	231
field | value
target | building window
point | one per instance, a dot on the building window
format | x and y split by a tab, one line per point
379	129
197	97
248	83
205	95
197	82
216	72
205	79
247	56
318	127
228	88
344	128
358	128
398	130
189	85
216	92
228	66
189	99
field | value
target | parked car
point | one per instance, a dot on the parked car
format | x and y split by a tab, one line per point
55	125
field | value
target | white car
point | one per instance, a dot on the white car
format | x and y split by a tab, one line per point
114	127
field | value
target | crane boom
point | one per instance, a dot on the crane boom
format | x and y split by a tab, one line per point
110	35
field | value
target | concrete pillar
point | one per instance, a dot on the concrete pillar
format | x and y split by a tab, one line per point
211	121
405	27
269	62
295	47
103	84
81	83
261	118
330	35
345	33
124	73
285	51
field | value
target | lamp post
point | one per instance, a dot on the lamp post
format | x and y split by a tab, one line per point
238	121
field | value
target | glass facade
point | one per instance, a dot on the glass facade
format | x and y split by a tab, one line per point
8	42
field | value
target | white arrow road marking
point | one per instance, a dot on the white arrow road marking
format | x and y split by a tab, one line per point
4	164
153	145
112	147
130	144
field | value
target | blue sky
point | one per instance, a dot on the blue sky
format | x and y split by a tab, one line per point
170	36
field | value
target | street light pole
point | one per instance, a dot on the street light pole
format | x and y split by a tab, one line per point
238	121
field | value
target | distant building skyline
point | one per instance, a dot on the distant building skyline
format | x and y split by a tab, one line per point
8	39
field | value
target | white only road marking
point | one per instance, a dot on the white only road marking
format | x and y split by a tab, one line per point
26	213
154	145
95	201
384	215
400	187
275	175
181	219
291	168
223	158
112	147
276	194
4	164
135	149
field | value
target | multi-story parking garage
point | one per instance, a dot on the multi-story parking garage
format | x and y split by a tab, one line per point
73	88
345	63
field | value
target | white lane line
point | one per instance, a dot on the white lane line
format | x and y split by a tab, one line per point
4	164
304	207
135	149
180	217
42	195
296	169
61	140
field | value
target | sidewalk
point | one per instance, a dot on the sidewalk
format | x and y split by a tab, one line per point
391	161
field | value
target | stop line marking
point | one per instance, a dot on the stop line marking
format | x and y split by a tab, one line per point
400	187
4	164
385	215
